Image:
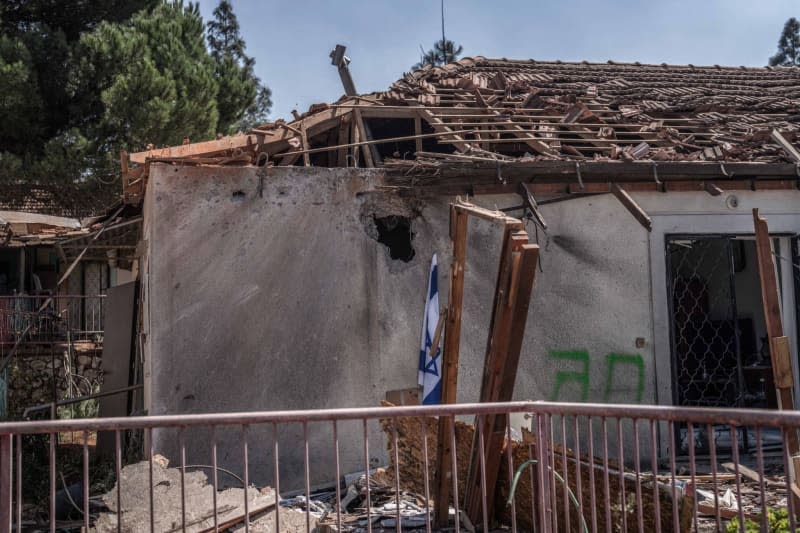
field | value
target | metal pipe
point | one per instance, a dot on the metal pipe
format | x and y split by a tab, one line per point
59	403
717	416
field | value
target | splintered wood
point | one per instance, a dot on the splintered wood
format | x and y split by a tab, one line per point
608	504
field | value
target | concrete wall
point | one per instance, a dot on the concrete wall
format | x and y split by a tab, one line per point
266	291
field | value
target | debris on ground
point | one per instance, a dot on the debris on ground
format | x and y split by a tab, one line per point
166	501
730	497
607	506
381	511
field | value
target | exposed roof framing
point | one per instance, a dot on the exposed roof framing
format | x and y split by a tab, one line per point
533	121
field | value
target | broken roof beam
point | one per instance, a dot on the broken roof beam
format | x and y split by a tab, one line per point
439	126
236	142
605	171
631	205
270	141
495	217
790	150
712	189
381	141
527	137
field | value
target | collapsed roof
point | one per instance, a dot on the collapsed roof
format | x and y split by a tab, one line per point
483	125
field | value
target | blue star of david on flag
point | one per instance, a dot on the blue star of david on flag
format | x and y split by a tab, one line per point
429	375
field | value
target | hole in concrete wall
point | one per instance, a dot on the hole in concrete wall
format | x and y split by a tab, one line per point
395	232
237	197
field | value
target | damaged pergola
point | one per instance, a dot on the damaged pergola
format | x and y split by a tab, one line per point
485	126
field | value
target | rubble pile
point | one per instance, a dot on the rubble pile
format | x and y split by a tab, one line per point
167	513
409	438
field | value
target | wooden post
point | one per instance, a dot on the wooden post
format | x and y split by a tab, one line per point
515	280
452	340
417	132
344	138
304	139
362	132
778	343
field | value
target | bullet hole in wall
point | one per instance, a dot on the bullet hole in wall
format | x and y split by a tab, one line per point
395	233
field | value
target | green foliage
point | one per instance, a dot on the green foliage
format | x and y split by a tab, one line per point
777	522
152	79
788	45
258	112
242	100
442	53
84	79
20	105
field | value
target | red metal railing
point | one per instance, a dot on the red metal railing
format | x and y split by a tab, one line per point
50	318
590	467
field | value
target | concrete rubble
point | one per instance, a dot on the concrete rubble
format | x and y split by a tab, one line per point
135	512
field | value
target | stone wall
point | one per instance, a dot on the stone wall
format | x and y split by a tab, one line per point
30	377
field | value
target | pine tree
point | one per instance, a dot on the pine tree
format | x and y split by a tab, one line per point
80	84
788	45
152	77
20	105
41	117
242	98
258	112
444	51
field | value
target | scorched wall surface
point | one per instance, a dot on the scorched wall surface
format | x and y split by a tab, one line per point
266	290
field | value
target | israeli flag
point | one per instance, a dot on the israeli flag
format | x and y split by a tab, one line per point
430	365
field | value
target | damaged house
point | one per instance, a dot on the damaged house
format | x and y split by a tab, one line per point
285	267
56	274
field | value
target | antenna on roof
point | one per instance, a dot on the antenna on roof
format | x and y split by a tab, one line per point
444	41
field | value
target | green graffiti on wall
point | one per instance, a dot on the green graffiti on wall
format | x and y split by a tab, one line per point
581	375
564	376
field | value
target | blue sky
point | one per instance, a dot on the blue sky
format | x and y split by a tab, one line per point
291	39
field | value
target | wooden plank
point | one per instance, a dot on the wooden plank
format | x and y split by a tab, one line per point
417	133
770	297
361	143
498	335
526	136
362	132
790	150
782	359
439	126
236	142
631	205
271	142
705	509
344	138
752	475
495	217
452	341
512	297
304	138
239	519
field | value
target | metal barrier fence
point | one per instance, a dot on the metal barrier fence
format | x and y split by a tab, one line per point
51	318
581	467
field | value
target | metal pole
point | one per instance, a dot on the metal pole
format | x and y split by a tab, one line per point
5	483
